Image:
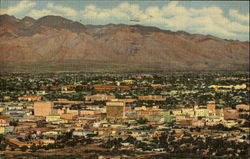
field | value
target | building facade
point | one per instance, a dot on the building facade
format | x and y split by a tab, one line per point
115	110
43	108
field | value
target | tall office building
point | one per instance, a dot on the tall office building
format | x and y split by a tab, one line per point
115	110
211	106
43	108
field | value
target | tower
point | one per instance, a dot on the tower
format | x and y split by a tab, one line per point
211	107
115	110
43	108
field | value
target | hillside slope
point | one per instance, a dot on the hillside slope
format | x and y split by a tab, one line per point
53	39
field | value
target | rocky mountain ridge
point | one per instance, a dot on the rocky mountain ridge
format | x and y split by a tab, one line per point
59	40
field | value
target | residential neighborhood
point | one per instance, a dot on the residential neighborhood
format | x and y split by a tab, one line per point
105	115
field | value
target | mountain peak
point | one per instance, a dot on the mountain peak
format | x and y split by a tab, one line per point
28	19
5	18
52	17
59	22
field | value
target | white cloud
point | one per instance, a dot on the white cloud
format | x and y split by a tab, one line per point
214	29
40	13
173	9
242	17
66	11
53	10
211	11
121	12
207	20
20	7
153	11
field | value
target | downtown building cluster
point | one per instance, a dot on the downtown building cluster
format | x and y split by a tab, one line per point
33	121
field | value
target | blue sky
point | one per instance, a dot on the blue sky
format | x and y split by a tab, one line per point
225	19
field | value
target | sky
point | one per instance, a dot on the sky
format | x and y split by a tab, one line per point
224	19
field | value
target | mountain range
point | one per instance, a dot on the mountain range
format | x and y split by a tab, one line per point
54	43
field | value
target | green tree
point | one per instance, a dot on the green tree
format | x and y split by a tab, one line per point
142	121
13	123
3	147
33	148
24	148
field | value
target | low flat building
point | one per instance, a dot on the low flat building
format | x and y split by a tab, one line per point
201	112
30	98
198	123
67	116
6	129
147	113
51	118
88	112
182	117
152	98
243	107
84	133
188	111
230	113
176	112
4	120
99	97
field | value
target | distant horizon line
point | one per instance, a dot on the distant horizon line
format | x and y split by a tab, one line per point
153	26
